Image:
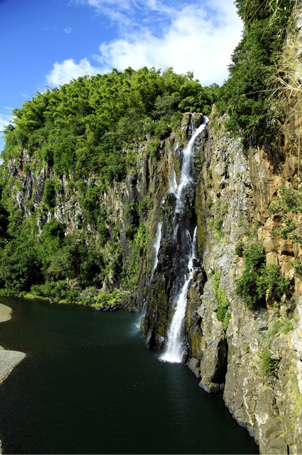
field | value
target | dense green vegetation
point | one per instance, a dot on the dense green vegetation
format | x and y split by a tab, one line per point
88	134
260	282
94	123
247	93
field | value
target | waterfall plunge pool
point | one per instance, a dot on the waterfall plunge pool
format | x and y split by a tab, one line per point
88	385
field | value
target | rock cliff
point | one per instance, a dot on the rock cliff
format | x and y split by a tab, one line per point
229	203
233	193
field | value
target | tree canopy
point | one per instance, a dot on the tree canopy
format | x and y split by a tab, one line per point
87	125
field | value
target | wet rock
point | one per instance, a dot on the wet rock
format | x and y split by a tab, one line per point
194	365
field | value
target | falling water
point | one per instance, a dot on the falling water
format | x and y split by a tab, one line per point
156	247
175	348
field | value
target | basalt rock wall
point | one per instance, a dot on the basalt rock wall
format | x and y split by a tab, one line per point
234	190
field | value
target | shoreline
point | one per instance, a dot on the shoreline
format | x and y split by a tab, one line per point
8	359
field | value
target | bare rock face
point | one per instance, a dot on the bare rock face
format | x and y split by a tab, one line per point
232	198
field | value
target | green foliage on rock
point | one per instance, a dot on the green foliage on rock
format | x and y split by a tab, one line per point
223	313
258	279
246	95
88	125
239	249
49	196
108	300
268	363
280	326
288	204
79	142
138	247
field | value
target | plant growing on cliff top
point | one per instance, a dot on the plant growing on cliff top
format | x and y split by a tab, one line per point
90	124
246	94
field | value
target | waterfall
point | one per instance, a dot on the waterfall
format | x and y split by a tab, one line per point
175	348
156	247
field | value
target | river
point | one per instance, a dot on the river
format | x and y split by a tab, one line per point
89	385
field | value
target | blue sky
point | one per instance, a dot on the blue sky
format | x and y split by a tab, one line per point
46	43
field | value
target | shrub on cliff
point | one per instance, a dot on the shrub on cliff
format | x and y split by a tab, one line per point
258	279
223	313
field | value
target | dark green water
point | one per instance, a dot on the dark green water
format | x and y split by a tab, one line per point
88	385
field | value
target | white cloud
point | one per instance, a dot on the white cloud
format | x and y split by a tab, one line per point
67	70
4	120
199	37
117	11
67	30
192	42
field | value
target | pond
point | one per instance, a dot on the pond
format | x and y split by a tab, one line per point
89	385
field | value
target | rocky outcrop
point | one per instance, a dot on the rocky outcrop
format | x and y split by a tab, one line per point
233	190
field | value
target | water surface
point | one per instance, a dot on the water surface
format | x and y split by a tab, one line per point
88	385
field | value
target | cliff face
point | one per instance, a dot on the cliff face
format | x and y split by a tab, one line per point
118	221
233	192
238	191
229	204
